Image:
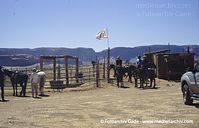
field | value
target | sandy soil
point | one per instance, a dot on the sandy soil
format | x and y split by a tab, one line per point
107	106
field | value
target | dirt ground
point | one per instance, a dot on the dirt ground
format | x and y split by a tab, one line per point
107	106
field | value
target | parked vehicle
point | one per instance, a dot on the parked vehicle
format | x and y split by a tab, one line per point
190	85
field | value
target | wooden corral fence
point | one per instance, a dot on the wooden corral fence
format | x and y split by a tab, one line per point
71	72
54	58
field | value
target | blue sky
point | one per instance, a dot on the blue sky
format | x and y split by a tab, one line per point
75	23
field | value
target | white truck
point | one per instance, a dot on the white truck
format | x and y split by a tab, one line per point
190	85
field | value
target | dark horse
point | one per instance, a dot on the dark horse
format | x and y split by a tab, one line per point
128	71
120	72
148	72
18	78
141	75
136	73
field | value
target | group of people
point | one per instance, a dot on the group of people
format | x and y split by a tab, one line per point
37	80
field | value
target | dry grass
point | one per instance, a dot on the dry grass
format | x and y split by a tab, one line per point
91	108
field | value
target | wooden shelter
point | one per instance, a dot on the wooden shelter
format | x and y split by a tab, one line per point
171	66
66	58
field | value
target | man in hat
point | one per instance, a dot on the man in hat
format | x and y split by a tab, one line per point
34	80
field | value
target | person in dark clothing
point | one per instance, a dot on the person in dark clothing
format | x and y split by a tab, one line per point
2	83
139	62
145	64
118	61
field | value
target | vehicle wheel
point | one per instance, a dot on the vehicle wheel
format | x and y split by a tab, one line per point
186	95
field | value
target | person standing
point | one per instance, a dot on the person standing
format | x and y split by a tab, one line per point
2	83
118	61
34	80
139	62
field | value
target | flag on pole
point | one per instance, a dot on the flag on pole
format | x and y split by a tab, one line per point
102	35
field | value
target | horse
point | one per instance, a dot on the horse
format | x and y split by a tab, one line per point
145	73
127	71
112	66
151	73
139	74
18	78
120	72
130	71
42	80
151	76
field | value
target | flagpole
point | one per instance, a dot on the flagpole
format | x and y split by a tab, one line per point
108	58
107	37
104	35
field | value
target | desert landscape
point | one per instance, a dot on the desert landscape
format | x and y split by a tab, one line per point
79	50
106	106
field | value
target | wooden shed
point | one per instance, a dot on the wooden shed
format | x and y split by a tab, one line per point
171	66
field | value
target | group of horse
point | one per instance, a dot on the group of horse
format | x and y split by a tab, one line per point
141	76
129	71
16	78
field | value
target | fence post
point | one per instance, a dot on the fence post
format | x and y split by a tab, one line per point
59	71
71	74
77	70
54	68
94	70
89	74
108	64
104	68
97	73
66	69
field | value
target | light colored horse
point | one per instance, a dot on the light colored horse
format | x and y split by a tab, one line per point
42	80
